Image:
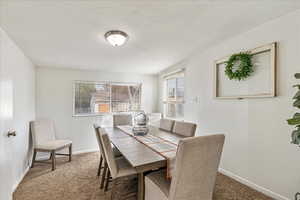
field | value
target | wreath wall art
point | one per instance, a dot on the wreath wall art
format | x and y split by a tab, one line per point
244	66
248	74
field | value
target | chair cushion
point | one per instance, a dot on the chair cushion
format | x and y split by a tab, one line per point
157	186
54	144
166	124
185	129
124	167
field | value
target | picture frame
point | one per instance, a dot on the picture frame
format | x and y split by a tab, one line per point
261	84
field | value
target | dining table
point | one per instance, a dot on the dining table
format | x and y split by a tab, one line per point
137	153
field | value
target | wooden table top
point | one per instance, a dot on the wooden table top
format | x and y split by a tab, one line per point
138	154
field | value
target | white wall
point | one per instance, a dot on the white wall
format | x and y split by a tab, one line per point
257	147
18	94
55	101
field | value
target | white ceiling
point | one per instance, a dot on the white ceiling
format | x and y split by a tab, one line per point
69	34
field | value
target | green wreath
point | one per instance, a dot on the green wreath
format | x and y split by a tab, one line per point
244	69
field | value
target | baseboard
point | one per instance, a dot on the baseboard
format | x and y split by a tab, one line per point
20	179
44	157
85	151
253	185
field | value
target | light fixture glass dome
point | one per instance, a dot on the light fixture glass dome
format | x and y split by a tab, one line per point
116	38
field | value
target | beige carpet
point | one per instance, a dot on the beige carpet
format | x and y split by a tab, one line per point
78	181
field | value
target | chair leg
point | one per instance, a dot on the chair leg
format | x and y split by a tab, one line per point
33	158
113	189
70	153
107	180
53	160
103	175
100	165
50	158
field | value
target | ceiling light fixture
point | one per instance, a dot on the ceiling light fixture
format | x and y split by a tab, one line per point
116	37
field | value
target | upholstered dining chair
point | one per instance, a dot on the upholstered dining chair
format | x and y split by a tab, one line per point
44	140
122	119
118	167
102	157
195	172
166	124
184	129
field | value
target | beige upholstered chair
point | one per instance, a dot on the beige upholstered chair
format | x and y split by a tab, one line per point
118	167
44	140
122	119
102	157
196	167
154	119
166	124
185	129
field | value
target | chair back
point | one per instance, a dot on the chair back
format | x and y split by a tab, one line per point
42	131
122	119
185	129
154	119
166	124
96	126
196	167
108	152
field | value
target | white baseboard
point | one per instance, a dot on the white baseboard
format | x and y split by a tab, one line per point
253	185
20	179
85	151
44	157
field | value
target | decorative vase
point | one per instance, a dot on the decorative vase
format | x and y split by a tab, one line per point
140	124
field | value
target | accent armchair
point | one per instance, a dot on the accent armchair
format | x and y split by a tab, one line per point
44	140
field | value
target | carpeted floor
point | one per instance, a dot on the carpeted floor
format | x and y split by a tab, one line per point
78	181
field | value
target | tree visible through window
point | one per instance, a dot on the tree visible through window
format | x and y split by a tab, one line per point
174	96
92	98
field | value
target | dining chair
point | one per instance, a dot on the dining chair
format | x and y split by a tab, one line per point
102	157
122	120
184	129
44	140
196	166
154	119
118	167
166	124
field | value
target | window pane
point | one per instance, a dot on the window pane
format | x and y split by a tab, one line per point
180	89
174	96
91	98
179	110
125	97
171	85
97	98
174	110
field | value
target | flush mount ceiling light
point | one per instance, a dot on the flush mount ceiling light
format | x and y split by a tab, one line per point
116	38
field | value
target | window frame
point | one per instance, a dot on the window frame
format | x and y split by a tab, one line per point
166	100
110	83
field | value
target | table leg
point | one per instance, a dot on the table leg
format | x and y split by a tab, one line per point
141	185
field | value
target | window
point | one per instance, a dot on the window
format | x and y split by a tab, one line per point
174	95
125	98
93	98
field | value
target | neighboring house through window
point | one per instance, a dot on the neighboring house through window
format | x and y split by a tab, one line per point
93	98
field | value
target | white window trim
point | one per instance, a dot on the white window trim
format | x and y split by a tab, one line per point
171	75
